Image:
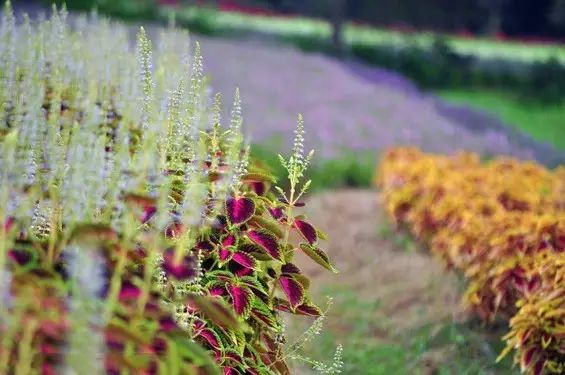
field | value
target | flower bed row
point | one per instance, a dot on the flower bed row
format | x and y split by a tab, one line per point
136	236
502	224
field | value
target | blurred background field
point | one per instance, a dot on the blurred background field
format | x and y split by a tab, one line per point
482	76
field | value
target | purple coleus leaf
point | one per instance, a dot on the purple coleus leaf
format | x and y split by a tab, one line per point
276	212
225	251
210	337
242	298
290	268
217	291
148	213
244	259
129	291
167	324
9	223
307	308
225	255
293	290
527	358
182	269
266	241
307	231
240	210
20	256
258	188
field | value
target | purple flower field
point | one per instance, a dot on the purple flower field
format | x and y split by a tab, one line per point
346	106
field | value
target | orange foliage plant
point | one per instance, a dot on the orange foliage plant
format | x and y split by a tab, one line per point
502	224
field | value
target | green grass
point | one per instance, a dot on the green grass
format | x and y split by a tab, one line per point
543	122
372	347
348	170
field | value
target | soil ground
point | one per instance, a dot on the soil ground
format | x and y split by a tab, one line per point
396	310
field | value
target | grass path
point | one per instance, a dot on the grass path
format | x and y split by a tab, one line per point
396	311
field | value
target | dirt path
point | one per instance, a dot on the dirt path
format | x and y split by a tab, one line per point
412	287
396	311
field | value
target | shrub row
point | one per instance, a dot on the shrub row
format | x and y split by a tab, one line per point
503	225
434	65
136	236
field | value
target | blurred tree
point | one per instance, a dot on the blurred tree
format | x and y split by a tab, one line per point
527	17
513	17
557	16
494	9
338	18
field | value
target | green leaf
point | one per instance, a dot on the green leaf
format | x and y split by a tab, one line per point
216	310
318	256
196	354
271	225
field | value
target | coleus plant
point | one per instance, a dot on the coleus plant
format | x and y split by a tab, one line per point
136	236
503	225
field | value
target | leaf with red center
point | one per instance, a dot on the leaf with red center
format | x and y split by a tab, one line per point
293	271
244	259
226	251
214	309
148	213
293	290
229	371
225	255
242	298
182	269
240	210
129	291
239	270
533	284
167	324
217	291
258	188
255	251
210	337
290	268
174	230
307	231
267	241
527	358
159	345
308	308
318	256
22	257
538	367
10	221
277	213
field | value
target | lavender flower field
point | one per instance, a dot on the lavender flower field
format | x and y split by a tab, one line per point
347	106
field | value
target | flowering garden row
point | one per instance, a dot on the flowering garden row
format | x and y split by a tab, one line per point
502	224
135	234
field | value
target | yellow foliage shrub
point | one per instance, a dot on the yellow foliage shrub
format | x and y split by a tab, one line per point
502	224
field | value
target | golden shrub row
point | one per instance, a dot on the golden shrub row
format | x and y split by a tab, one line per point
502	224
